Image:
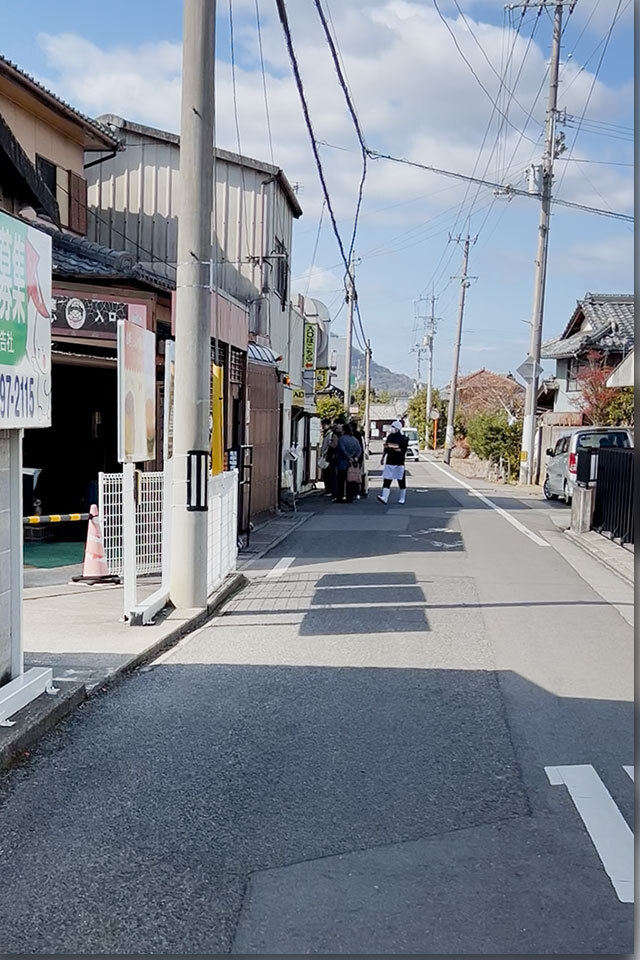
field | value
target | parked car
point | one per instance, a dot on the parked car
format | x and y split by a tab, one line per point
413	450
560	479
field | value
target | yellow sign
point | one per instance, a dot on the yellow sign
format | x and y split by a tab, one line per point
217	422
523	455
297	400
322	378
309	346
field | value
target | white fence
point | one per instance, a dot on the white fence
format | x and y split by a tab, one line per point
222	523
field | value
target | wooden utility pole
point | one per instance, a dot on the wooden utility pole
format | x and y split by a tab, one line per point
453	387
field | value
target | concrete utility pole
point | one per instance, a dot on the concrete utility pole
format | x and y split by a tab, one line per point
527	453
451	414
431	330
367	395
188	585
351	296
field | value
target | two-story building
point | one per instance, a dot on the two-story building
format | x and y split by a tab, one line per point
46	150
134	194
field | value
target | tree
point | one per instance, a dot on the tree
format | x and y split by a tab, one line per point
598	402
417	415
620	410
495	437
384	397
330	407
358	396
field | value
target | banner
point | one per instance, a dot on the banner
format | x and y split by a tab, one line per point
169	397
136	392
217	419
322	378
25	325
309	347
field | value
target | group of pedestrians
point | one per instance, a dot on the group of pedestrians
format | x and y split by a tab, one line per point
342	461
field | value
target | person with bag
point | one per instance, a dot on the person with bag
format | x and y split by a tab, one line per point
348	455
325	458
395	448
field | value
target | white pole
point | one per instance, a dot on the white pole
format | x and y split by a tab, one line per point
129	571
367	395
15	540
193	320
347	352
531	395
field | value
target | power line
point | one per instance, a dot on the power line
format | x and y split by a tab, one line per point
315	249
591	89
477	78
264	81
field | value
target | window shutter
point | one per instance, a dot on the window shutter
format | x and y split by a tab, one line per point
77	203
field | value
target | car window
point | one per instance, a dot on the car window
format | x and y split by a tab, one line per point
593	441
558	447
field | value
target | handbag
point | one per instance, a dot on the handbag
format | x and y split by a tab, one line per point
322	463
354	473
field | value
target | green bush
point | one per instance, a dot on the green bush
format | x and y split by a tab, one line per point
619	410
330	407
491	437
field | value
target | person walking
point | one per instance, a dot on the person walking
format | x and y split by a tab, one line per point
395	448
349	452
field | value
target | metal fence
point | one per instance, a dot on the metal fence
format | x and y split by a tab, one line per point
148	521
223	528
613	513
222	523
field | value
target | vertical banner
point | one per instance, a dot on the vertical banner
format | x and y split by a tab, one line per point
309	347
217	419
136	392
25	325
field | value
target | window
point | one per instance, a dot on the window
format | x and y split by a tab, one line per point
77	203
281	271
573	368
593	441
47	173
561	446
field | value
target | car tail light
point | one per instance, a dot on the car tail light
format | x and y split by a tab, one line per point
572	463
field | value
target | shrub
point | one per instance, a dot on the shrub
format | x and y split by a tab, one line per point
492	437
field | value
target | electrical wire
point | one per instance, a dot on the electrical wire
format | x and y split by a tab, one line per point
477	78
264	81
315	249
591	89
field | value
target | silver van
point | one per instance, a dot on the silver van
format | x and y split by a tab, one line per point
563	463
413	449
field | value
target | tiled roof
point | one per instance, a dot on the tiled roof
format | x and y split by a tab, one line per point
388	411
611	317
13	70
77	257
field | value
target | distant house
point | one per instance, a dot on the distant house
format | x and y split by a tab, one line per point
601	323
382	415
487	392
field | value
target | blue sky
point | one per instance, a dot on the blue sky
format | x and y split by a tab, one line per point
416	98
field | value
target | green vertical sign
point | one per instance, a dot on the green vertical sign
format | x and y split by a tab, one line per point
13	290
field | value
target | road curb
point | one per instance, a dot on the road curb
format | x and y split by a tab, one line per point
39	717
36	719
575	538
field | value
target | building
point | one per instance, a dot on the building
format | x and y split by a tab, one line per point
134	196
487	392
47	147
601	325
382	415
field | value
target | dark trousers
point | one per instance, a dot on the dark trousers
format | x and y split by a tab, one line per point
329	479
350	488
401	483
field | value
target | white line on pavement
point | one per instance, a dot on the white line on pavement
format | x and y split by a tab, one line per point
630	773
283	564
609	831
494	506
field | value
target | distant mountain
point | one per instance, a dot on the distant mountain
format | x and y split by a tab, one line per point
382	378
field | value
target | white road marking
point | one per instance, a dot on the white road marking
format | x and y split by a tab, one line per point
494	506
609	831
630	773
283	564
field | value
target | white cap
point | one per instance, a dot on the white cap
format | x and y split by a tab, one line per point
397	424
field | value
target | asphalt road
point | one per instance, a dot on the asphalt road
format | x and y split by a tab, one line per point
407	735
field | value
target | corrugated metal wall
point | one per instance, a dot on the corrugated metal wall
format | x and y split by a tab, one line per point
264	428
133	201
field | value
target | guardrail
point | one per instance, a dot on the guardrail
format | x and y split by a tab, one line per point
613	514
36	519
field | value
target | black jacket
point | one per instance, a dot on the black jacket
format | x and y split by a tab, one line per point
395	458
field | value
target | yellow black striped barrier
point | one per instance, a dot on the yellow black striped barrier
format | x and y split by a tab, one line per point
54	518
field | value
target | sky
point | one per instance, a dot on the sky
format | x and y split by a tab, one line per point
416	98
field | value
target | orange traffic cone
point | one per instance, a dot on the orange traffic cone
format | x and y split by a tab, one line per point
95	569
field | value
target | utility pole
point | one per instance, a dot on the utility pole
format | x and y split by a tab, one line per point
367	395
451	414
431	330
188	585
527	453
351	296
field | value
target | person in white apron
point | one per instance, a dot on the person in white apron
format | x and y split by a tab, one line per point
395	448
